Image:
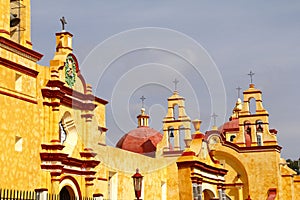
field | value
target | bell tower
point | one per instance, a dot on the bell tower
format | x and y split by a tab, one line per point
254	121
15	21
176	124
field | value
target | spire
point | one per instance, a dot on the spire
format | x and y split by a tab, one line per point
238	106
143	118
236	109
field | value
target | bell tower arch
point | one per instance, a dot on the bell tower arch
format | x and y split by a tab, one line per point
176	124
15	21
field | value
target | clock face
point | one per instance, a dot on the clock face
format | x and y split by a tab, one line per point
70	69
213	140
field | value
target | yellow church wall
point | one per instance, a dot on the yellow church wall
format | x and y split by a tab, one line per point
19	121
259	178
297	187
124	164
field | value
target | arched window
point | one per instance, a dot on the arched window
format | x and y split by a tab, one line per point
171	137
259	126
181	137
247	129
252	106
175	112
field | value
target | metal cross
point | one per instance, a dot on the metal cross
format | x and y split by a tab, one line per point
175	82
239	90
63	22
143	99
251	74
214	115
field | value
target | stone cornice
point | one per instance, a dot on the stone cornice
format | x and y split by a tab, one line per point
19	49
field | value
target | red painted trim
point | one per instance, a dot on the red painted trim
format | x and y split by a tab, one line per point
41	189
175	99
89	178
102	179
274	131
18	97
18	67
98	195
4	31
28	42
75	183
198	136
252	115
68	96
252	92
21	48
88	154
202	166
52	146
64	33
102	129
188	153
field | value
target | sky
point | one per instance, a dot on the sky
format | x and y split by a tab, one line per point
209	46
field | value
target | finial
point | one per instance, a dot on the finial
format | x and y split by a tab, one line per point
251	74
239	90
214	116
197	123
175	82
63	22
143	99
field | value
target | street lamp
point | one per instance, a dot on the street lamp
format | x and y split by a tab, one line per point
137	183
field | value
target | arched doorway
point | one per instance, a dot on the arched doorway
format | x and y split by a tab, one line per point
208	195
66	193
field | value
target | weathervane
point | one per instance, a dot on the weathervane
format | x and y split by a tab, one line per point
63	22
251	74
239	90
175	82
143	99
214	116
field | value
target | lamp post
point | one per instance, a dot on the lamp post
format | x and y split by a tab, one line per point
137	183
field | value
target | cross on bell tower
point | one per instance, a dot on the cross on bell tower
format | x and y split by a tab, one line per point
175	82
143	101
251	74
239	91
214	116
63	23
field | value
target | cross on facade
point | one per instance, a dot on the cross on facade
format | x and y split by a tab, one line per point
175	82
143	99
251	74
239	90
63	22
214	116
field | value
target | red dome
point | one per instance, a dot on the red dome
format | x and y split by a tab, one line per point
232	125
140	140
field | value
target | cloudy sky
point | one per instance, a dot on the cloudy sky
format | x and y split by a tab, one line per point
234	37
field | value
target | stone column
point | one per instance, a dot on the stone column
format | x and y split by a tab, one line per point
199	190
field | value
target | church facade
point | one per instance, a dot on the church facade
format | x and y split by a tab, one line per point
53	136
